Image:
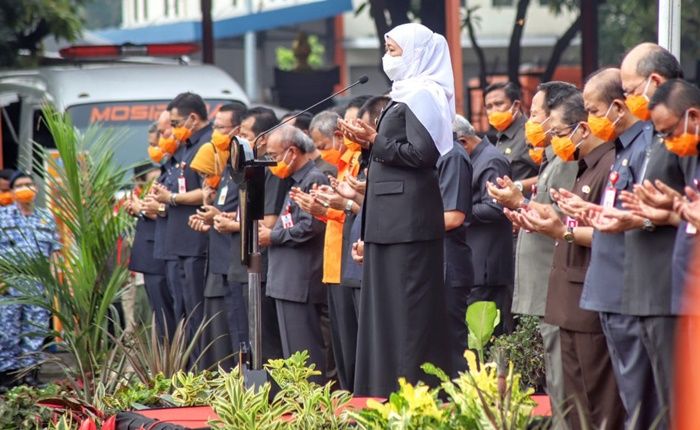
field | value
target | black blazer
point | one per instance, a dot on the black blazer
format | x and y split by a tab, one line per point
403	202
141	259
489	232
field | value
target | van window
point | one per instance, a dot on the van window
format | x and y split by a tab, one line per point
10	105
130	120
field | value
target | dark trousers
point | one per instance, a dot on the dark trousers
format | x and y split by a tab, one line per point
174	277
344	332
502	295
300	329
641	351
236	312
457	299
161	302
589	381
193	282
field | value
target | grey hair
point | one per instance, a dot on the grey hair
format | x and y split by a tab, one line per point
292	136
462	128
325	122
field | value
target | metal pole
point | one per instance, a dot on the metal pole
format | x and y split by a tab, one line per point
454	41
255	300
249	42
670	26
589	38
207	33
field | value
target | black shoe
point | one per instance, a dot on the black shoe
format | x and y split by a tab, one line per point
32	379
8	380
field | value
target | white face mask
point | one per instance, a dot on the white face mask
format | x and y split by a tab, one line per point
392	66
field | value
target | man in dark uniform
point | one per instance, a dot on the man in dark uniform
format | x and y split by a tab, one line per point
455	175
639	326
142	259
588	376
223	298
489	233
503	102
182	193
295	251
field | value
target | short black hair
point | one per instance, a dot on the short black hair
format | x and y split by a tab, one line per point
374	107
141	170
265	118
340	110
661	61
512	90
677	95
555	93
609	86
18	174
358	102
237	110
6	174
188	103
301	122
573	109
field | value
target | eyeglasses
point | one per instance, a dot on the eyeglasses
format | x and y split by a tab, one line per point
669	131
563	132
634	90
221	127
176	122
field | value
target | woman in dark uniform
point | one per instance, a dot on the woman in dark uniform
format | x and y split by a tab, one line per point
402	321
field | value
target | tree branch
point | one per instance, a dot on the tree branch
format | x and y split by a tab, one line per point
478	50
559	47
515	38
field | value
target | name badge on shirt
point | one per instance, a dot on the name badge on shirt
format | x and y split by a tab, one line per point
222	195
287	221
610	192
690	229
181	185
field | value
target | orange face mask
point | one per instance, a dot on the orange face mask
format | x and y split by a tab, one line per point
25	195
213	181
155	154
331	156
352	146
6	198
639	104
222	142
182	133
535	134
564	147
282	170
167	144
501	120
537	154
602	127
685	144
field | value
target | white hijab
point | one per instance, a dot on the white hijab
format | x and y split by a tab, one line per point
426	82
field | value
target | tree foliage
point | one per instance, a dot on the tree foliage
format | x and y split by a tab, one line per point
24	24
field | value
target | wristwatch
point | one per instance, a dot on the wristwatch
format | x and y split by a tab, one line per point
173	202
569	235
161	210
648	225
519	185
348	207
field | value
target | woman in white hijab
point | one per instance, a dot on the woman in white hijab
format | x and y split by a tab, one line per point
403	314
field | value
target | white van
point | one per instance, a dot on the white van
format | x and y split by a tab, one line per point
127	95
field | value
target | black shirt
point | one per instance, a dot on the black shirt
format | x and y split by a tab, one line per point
455	175
220	244
180	239
511	143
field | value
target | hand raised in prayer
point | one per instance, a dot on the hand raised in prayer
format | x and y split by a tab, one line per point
637	206
570	204
658	194
359	186
307	202
358	131
612	220
160	193
505	192
208	194
208	212
515	219
225	222
197	224
328	197
150	205
544	219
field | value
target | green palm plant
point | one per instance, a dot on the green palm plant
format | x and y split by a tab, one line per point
81	284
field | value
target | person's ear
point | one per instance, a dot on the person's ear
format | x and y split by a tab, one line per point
585	130
656	79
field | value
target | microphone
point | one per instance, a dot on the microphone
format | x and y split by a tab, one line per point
363	80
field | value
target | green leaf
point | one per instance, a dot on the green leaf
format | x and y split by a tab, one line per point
482	318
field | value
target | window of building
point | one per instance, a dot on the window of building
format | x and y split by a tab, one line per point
176	5
166	7
145	9
136	10
500	3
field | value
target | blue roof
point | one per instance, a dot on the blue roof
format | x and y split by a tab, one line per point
191	31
